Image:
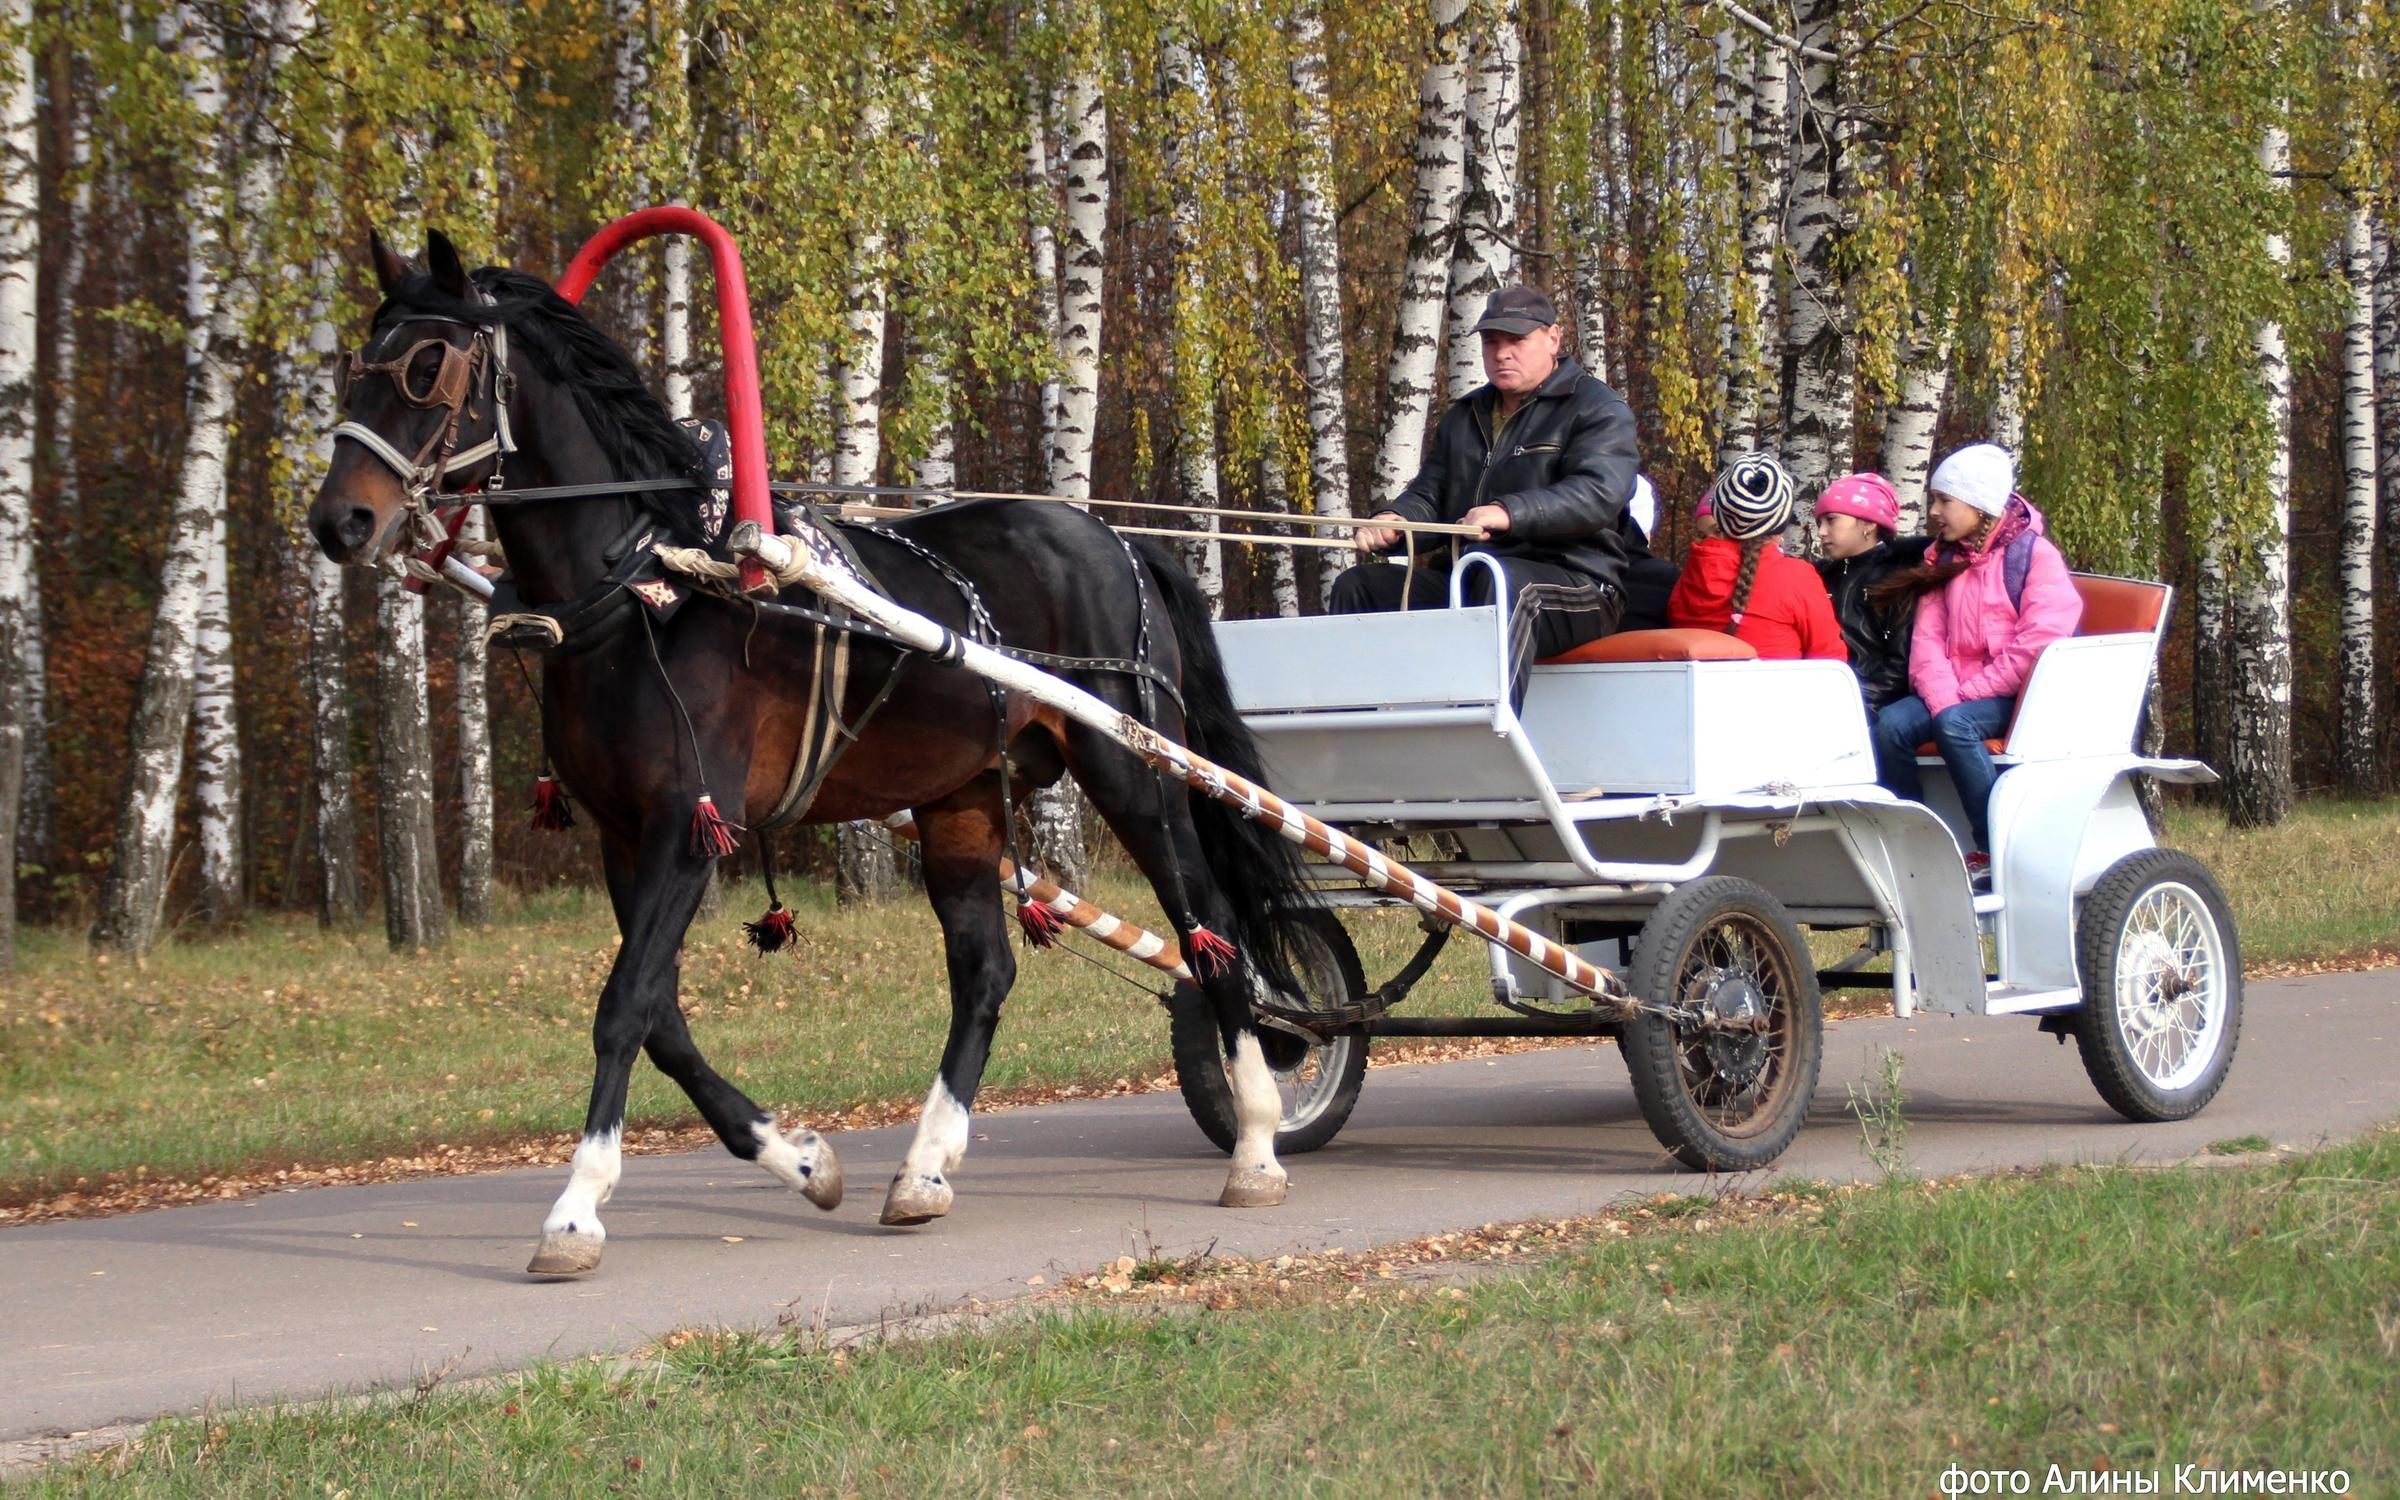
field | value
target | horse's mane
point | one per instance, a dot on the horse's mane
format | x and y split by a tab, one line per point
635	432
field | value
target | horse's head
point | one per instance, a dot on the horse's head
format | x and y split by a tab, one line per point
423	406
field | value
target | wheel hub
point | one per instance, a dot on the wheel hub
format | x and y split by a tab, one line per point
1735	1013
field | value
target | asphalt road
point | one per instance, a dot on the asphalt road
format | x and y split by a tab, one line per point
335	1290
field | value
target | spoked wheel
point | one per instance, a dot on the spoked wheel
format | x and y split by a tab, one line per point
2162	986
1319	1084
1726	1083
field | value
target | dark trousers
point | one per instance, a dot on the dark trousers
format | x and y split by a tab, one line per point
1551	608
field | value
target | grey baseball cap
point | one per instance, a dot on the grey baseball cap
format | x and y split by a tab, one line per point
1516	309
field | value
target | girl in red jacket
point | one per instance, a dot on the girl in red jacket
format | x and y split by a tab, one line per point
1740	582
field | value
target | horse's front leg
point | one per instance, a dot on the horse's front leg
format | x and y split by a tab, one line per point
962	840
655	885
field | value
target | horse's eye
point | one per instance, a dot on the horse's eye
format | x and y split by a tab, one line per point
424	370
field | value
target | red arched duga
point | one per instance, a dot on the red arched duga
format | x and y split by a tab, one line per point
745	415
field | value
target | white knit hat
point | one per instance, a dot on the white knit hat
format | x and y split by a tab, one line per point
1643	507
1980	474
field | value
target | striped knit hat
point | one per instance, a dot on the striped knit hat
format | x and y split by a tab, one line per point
1753	498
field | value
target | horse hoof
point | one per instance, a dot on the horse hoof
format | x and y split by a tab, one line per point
824	1185
565	1254
913	1200
1254	1189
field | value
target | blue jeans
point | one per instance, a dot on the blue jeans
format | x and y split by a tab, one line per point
1958	732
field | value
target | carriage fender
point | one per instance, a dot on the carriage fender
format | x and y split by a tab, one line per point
2057	826
1912	862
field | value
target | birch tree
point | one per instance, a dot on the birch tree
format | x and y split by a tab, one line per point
474	747
1440	157
1195	372
2358	751
2387	396
2258	790
1754	305
671	108
869	870
133	900
1821	395
1483	256
1322	360
1042	204
1916	414
1083	120
20	322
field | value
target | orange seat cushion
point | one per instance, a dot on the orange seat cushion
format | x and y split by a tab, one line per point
1658	645
2119	606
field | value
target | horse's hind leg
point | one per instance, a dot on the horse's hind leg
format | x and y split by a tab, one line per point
962	840
1153	821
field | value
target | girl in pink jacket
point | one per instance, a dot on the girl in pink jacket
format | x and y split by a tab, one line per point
1995	591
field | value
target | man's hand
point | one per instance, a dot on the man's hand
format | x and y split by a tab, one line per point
1492	518
1378	538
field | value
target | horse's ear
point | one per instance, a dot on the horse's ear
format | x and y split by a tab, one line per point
390	269
441	258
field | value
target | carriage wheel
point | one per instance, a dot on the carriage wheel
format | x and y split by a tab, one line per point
1726	1084
2162	986
1319	1084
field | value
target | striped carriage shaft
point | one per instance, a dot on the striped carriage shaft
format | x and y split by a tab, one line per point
813	564
1092	921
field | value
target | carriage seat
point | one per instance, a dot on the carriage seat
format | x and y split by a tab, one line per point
1656	645
2111	606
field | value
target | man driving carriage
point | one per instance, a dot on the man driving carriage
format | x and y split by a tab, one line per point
1542	459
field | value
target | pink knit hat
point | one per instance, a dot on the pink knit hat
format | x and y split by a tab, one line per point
1869	497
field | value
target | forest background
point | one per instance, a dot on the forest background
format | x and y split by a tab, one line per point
1211	255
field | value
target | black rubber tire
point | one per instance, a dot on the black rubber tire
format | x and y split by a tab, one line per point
1321	954
2100	921
1671	960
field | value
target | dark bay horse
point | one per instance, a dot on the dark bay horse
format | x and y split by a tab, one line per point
646	709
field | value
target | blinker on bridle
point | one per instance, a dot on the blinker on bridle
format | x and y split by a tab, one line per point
453	384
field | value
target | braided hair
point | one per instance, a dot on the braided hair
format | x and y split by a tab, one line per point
1912	583
1753	502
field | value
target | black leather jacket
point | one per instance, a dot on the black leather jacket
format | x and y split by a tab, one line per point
1878	638
1562	468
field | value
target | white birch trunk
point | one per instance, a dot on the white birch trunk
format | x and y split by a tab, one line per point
2359	751
927	347
1440	155
858	397
1194	355
1819	407
216	743
2258	789
1083	119
133	902
1322	360
2008	393
675	320
632	98
1041	201
20	328
2387	394
1483	258
1730	92
2212	646
413	913
1914	417
475	820
338	893
1746	382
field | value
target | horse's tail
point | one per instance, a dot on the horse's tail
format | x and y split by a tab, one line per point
1258	871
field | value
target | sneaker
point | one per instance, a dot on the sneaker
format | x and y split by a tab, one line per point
1979	872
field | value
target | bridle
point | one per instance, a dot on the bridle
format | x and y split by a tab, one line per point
480	366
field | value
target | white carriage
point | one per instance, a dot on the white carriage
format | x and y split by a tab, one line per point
1679	811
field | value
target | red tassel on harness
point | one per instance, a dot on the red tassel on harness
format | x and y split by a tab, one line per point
1211	955
771	933
712	836
552	813
1041	924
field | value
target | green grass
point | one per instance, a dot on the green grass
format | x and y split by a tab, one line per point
2234	1320
280	1045
286	1046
